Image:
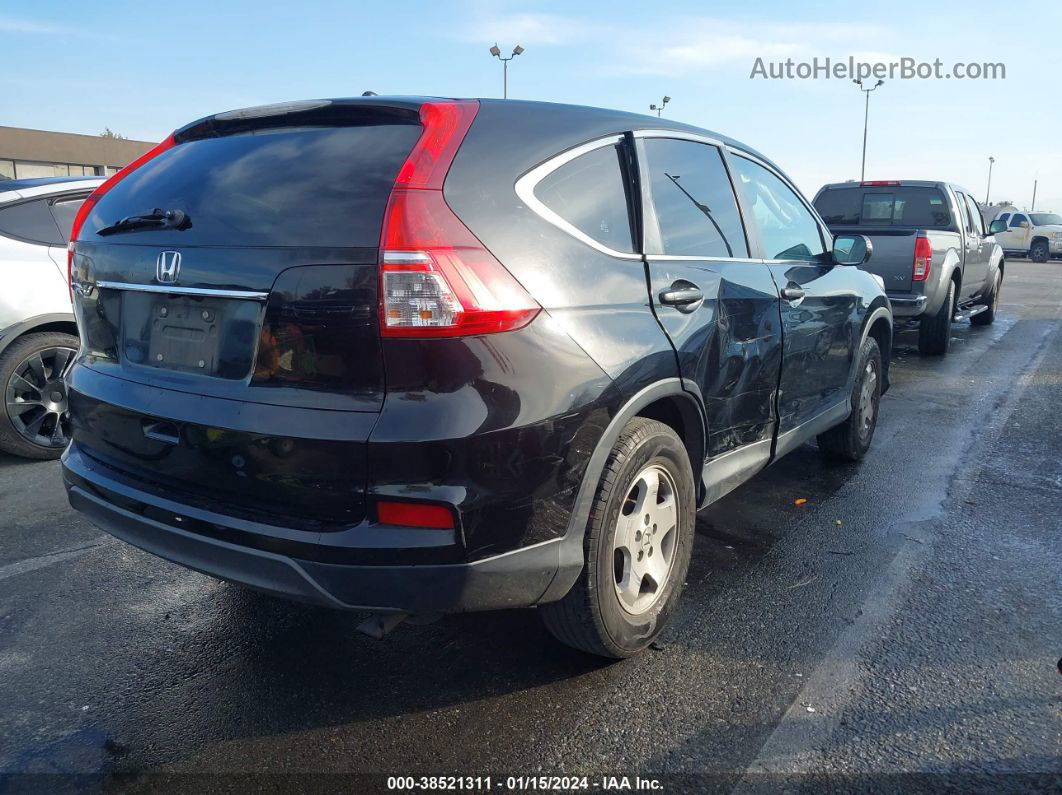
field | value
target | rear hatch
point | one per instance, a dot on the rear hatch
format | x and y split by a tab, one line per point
891	215
259	289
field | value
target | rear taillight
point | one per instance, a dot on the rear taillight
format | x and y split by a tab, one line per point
415	514
436	278
923	258
873	183
90	202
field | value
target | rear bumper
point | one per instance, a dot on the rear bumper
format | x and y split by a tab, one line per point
514	579
908	306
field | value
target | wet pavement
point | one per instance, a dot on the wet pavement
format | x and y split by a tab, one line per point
899	631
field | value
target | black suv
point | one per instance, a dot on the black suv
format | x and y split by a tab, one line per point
417	356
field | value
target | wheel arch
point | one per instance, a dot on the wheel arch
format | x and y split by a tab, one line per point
666	401
63	323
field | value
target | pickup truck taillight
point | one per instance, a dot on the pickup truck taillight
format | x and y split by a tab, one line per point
923	258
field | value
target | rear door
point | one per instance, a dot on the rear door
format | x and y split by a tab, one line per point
718	306
819	302
235	357
267	292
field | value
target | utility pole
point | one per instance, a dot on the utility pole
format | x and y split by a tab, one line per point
1033	208
660	108
988	190
496	52
866	119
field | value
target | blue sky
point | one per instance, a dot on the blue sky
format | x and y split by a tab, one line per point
145	68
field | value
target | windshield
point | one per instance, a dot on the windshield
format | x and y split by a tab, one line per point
919	207
1046	219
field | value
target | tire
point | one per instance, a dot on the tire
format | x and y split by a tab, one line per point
850	440
617	607
934	333
1039	251
34	421
985	318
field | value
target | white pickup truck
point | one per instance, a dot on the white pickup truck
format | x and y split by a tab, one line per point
1037	236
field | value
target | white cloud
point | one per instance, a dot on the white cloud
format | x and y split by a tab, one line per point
528	29
31	26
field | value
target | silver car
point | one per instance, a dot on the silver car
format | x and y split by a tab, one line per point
37	332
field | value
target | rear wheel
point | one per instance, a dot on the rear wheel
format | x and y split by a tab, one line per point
637	546
1039	251
934	332
850	440
986	317
35	423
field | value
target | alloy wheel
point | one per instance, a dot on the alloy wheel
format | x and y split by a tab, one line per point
867	399
645	540
36	397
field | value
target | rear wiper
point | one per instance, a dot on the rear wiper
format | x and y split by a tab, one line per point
156	219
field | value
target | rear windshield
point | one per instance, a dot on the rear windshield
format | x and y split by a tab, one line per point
303	186
924	208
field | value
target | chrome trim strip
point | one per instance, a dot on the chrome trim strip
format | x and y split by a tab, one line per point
682	136
706	257
208	292
525	189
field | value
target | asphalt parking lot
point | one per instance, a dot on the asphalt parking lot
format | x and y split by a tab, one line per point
901	629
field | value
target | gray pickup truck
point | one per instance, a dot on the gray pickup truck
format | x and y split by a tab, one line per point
931	248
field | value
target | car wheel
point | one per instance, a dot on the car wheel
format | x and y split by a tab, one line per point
1039	251
934	333
850	440
637	546
986	317
35	423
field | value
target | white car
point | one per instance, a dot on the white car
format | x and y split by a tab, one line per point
38	336
1035	235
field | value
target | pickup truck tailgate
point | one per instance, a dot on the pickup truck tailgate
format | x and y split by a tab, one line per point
893	254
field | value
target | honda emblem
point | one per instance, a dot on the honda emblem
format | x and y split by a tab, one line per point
168	266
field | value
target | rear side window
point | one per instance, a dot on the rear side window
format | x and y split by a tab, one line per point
788	229
32	222
590	193
63	211
694	200
1004	217
921	207
304	186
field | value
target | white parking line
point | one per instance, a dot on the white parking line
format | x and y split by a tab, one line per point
31	564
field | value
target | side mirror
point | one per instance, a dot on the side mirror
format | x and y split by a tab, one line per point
997	227
1024	224
852	249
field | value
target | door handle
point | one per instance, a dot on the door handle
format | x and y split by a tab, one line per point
161	431
682	295
792	293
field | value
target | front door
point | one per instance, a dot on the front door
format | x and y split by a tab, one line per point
978	251
818	300
718	306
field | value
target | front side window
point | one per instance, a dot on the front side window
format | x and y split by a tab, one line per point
1017	220
977	223
693	199
590	193
787	228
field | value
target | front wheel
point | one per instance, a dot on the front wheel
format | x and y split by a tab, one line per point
1039	251
637	546
850	440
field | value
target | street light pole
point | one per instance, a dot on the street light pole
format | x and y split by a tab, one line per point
866	119
496	52
660	108
988	190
